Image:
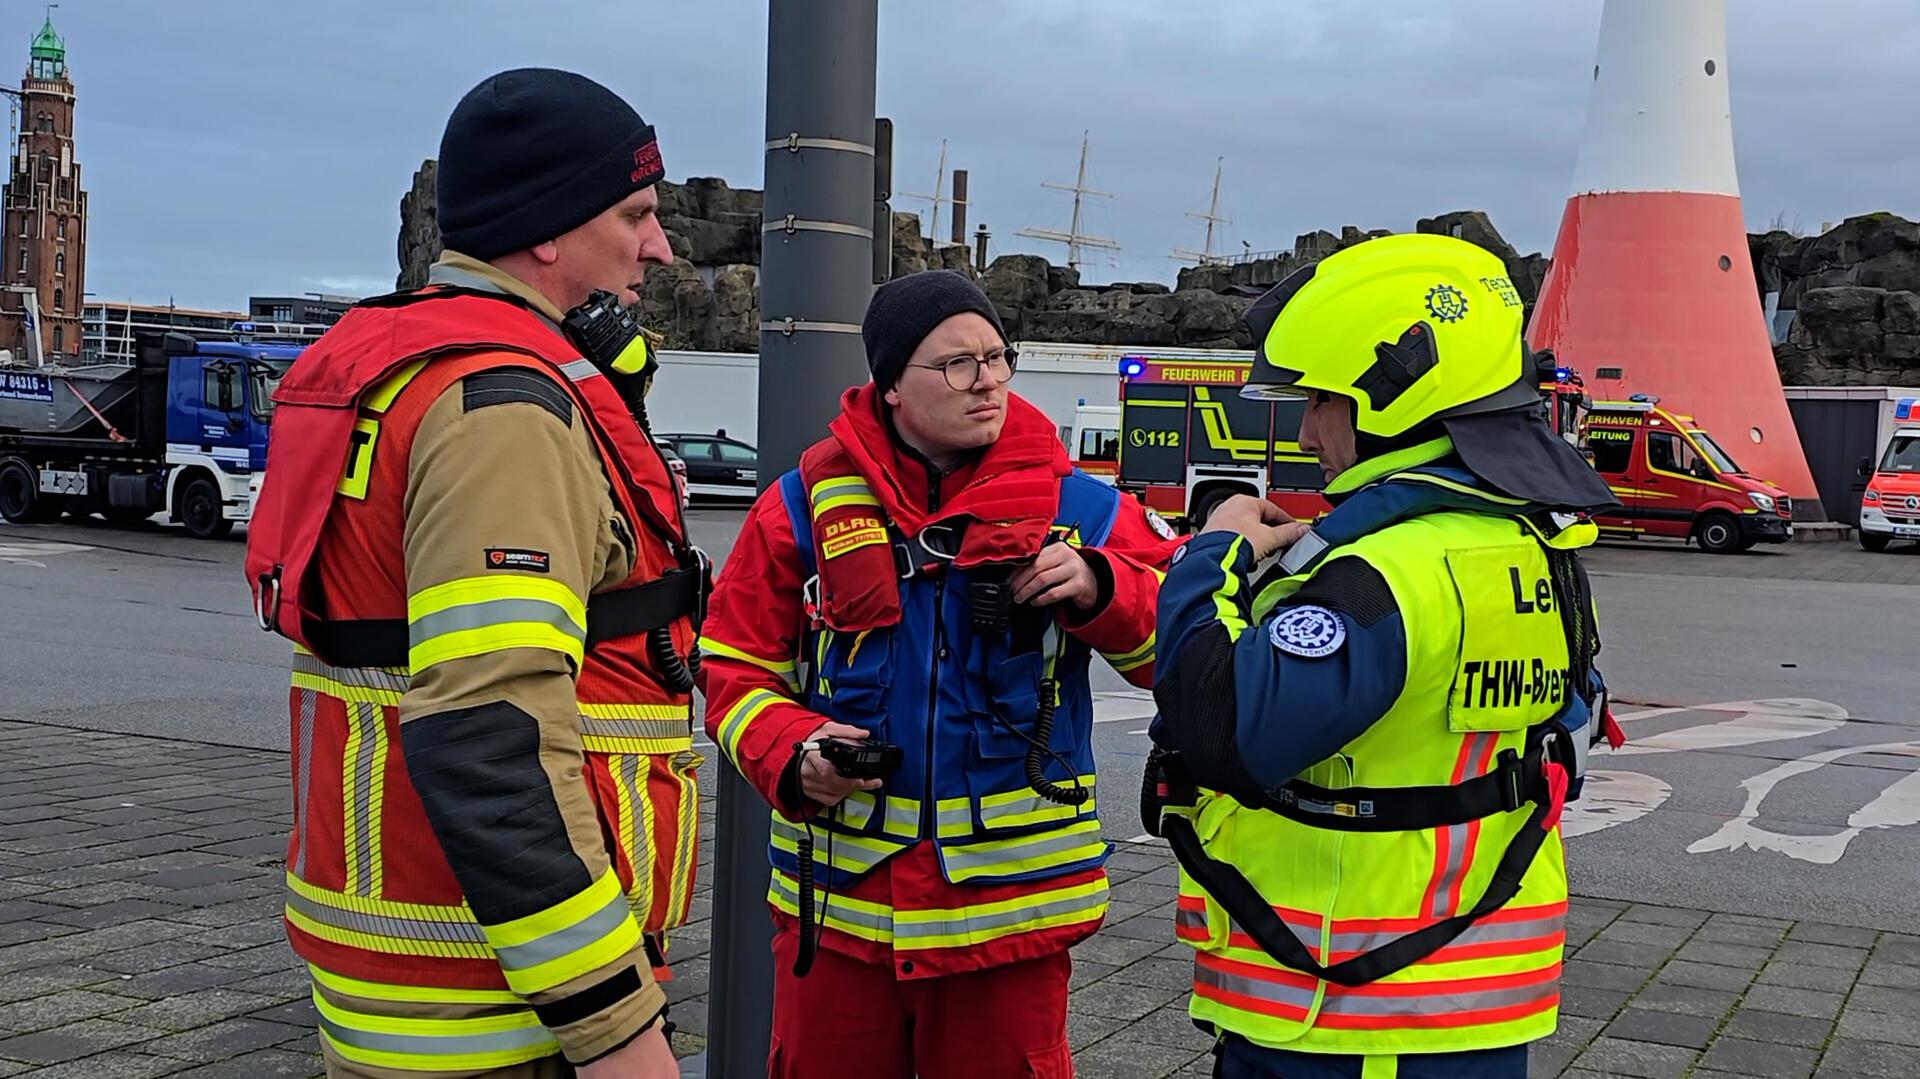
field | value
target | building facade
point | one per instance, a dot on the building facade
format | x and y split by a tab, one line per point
110	328
43	212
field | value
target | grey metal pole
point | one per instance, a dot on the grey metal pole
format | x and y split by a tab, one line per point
816	274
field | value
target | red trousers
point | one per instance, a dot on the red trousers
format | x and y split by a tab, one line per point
852	1018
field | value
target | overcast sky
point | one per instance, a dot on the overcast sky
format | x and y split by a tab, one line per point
234	149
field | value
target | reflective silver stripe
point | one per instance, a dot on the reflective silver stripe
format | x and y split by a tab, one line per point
366	717
634	728
639	837
991	815
954	820
850	854
1478	933
1309	935
787	890
493	612
1440	1002
903	818
358	677
304	784
1257	988
857	809
967	858
969	924
1190	919
1446	896
430	1045
579	370
382	925
562	942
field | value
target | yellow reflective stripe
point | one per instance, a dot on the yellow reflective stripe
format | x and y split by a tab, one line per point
678	712
856	809
962	926
953	817
363	771
839	492
1224	608
852	853
581	933
348	692
386	945
1439	481
1134	660
429	1045
1016	809
422	994
382	396
903	817
473	616
1076	842
687	842
826	506
868	921
787	670
359	466
621	744
630	802
734	724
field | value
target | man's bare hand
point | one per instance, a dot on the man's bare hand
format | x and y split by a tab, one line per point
1059	573
1267	527
821	781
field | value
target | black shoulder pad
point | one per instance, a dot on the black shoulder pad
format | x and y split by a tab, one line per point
510	385
1351	586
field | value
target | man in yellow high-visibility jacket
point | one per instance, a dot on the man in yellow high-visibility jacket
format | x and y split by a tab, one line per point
1361	764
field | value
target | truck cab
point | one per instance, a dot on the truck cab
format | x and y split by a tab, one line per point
1674	480
1890	508
1093	442
219	406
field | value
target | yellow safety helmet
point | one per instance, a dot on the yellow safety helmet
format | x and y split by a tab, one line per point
1412	328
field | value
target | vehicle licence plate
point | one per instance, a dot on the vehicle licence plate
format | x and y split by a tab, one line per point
1906	530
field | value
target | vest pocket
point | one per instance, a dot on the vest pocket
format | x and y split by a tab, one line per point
852	676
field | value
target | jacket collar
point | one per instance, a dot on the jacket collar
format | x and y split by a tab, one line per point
1015	479
454	268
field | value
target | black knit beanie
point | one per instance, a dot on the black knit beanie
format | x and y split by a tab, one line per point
905	310
532	153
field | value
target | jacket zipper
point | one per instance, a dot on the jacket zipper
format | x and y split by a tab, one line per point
930	808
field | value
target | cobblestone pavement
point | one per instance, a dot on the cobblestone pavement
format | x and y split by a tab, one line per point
140	937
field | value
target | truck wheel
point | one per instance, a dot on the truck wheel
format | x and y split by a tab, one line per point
1198	513
20	499
199	510
1719	533
1875	541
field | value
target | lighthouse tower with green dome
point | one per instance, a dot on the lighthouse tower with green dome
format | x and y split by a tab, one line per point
43	211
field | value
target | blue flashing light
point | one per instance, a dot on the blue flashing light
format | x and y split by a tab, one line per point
1562	374
1132	367
1903	408
244	327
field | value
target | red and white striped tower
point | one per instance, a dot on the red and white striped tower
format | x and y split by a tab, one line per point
1651	288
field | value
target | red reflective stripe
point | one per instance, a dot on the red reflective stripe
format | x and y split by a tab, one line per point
1448	986
1362	925
1485	744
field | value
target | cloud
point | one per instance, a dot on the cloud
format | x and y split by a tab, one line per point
233	149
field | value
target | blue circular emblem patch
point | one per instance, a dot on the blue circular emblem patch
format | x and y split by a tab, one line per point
1308	632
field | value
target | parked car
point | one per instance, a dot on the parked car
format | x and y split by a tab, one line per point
717	466
676	466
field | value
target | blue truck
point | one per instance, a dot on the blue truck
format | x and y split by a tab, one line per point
182	431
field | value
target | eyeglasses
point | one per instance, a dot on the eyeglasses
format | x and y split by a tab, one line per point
963	372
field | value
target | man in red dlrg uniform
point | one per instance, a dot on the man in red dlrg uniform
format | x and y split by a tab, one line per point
931	585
